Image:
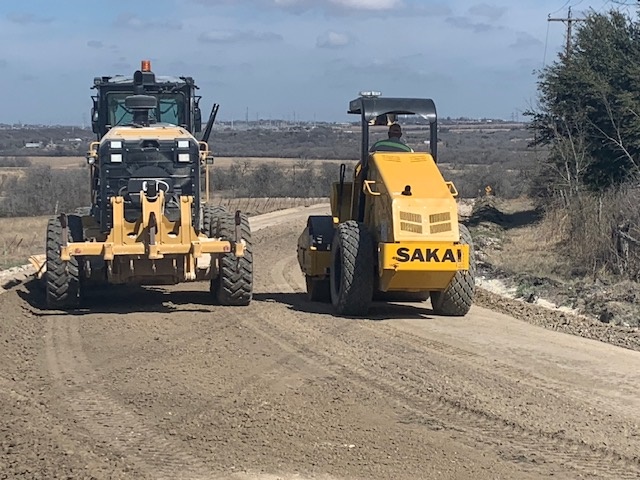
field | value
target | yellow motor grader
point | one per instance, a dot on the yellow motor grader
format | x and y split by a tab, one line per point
393	227
148	223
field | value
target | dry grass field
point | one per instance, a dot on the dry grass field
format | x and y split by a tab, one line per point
58	162
77	162
21	237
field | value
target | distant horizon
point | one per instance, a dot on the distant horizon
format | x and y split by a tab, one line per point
275	120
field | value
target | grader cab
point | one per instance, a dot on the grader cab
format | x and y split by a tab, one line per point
393	227
148	223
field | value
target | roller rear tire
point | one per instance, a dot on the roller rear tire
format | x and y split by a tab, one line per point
457	299
351	272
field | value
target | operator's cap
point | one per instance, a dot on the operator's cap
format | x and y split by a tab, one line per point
395	129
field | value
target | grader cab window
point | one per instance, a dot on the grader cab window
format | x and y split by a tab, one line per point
170	109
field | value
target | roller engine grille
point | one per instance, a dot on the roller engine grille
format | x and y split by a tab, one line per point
410	222
438	222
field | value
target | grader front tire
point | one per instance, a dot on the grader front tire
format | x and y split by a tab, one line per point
234	283
62	279
351	272
457	299
211	216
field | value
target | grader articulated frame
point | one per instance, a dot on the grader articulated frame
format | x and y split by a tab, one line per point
147	223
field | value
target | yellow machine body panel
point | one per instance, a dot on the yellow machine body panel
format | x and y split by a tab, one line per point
312	261
340	200
160	132
412	213
393	226
420	266
153	246
409	200
314	245
169	238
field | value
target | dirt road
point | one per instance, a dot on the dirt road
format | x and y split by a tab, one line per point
158	383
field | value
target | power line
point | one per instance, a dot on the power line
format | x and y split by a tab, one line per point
546	43
569	21
576	4
562	7
604	5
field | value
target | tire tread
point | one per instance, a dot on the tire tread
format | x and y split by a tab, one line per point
457	298
234	283
354	244
62	277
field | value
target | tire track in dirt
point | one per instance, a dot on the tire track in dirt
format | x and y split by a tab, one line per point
8	390
406	338
487	428
550	387
107	421
309	344
104	419
416	344
264	373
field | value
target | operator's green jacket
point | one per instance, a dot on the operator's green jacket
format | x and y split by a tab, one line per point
392	144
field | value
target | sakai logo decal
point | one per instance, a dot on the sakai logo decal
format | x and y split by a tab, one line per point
404	254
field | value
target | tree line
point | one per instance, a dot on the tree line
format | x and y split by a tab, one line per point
42	190
588	115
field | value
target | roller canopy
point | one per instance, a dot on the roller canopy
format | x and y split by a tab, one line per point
372	107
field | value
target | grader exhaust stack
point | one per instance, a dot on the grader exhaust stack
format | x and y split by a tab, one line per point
393	228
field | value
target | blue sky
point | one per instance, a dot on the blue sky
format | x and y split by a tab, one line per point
281	58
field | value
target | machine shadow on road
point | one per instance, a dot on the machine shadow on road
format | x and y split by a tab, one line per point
122	300
379	311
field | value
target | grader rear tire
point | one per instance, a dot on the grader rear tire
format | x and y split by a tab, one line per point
351	272
62	279
457	299
234	283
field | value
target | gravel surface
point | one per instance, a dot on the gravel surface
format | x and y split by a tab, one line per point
161	383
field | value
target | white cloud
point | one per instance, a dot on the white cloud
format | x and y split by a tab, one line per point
237	36
287	3
333	40
466	23
27	18
525	40
375	5
328	5
347	4
491	12
134	22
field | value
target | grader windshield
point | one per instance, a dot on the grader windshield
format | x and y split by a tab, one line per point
170	109
177	102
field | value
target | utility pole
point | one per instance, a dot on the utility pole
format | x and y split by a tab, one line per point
569	22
